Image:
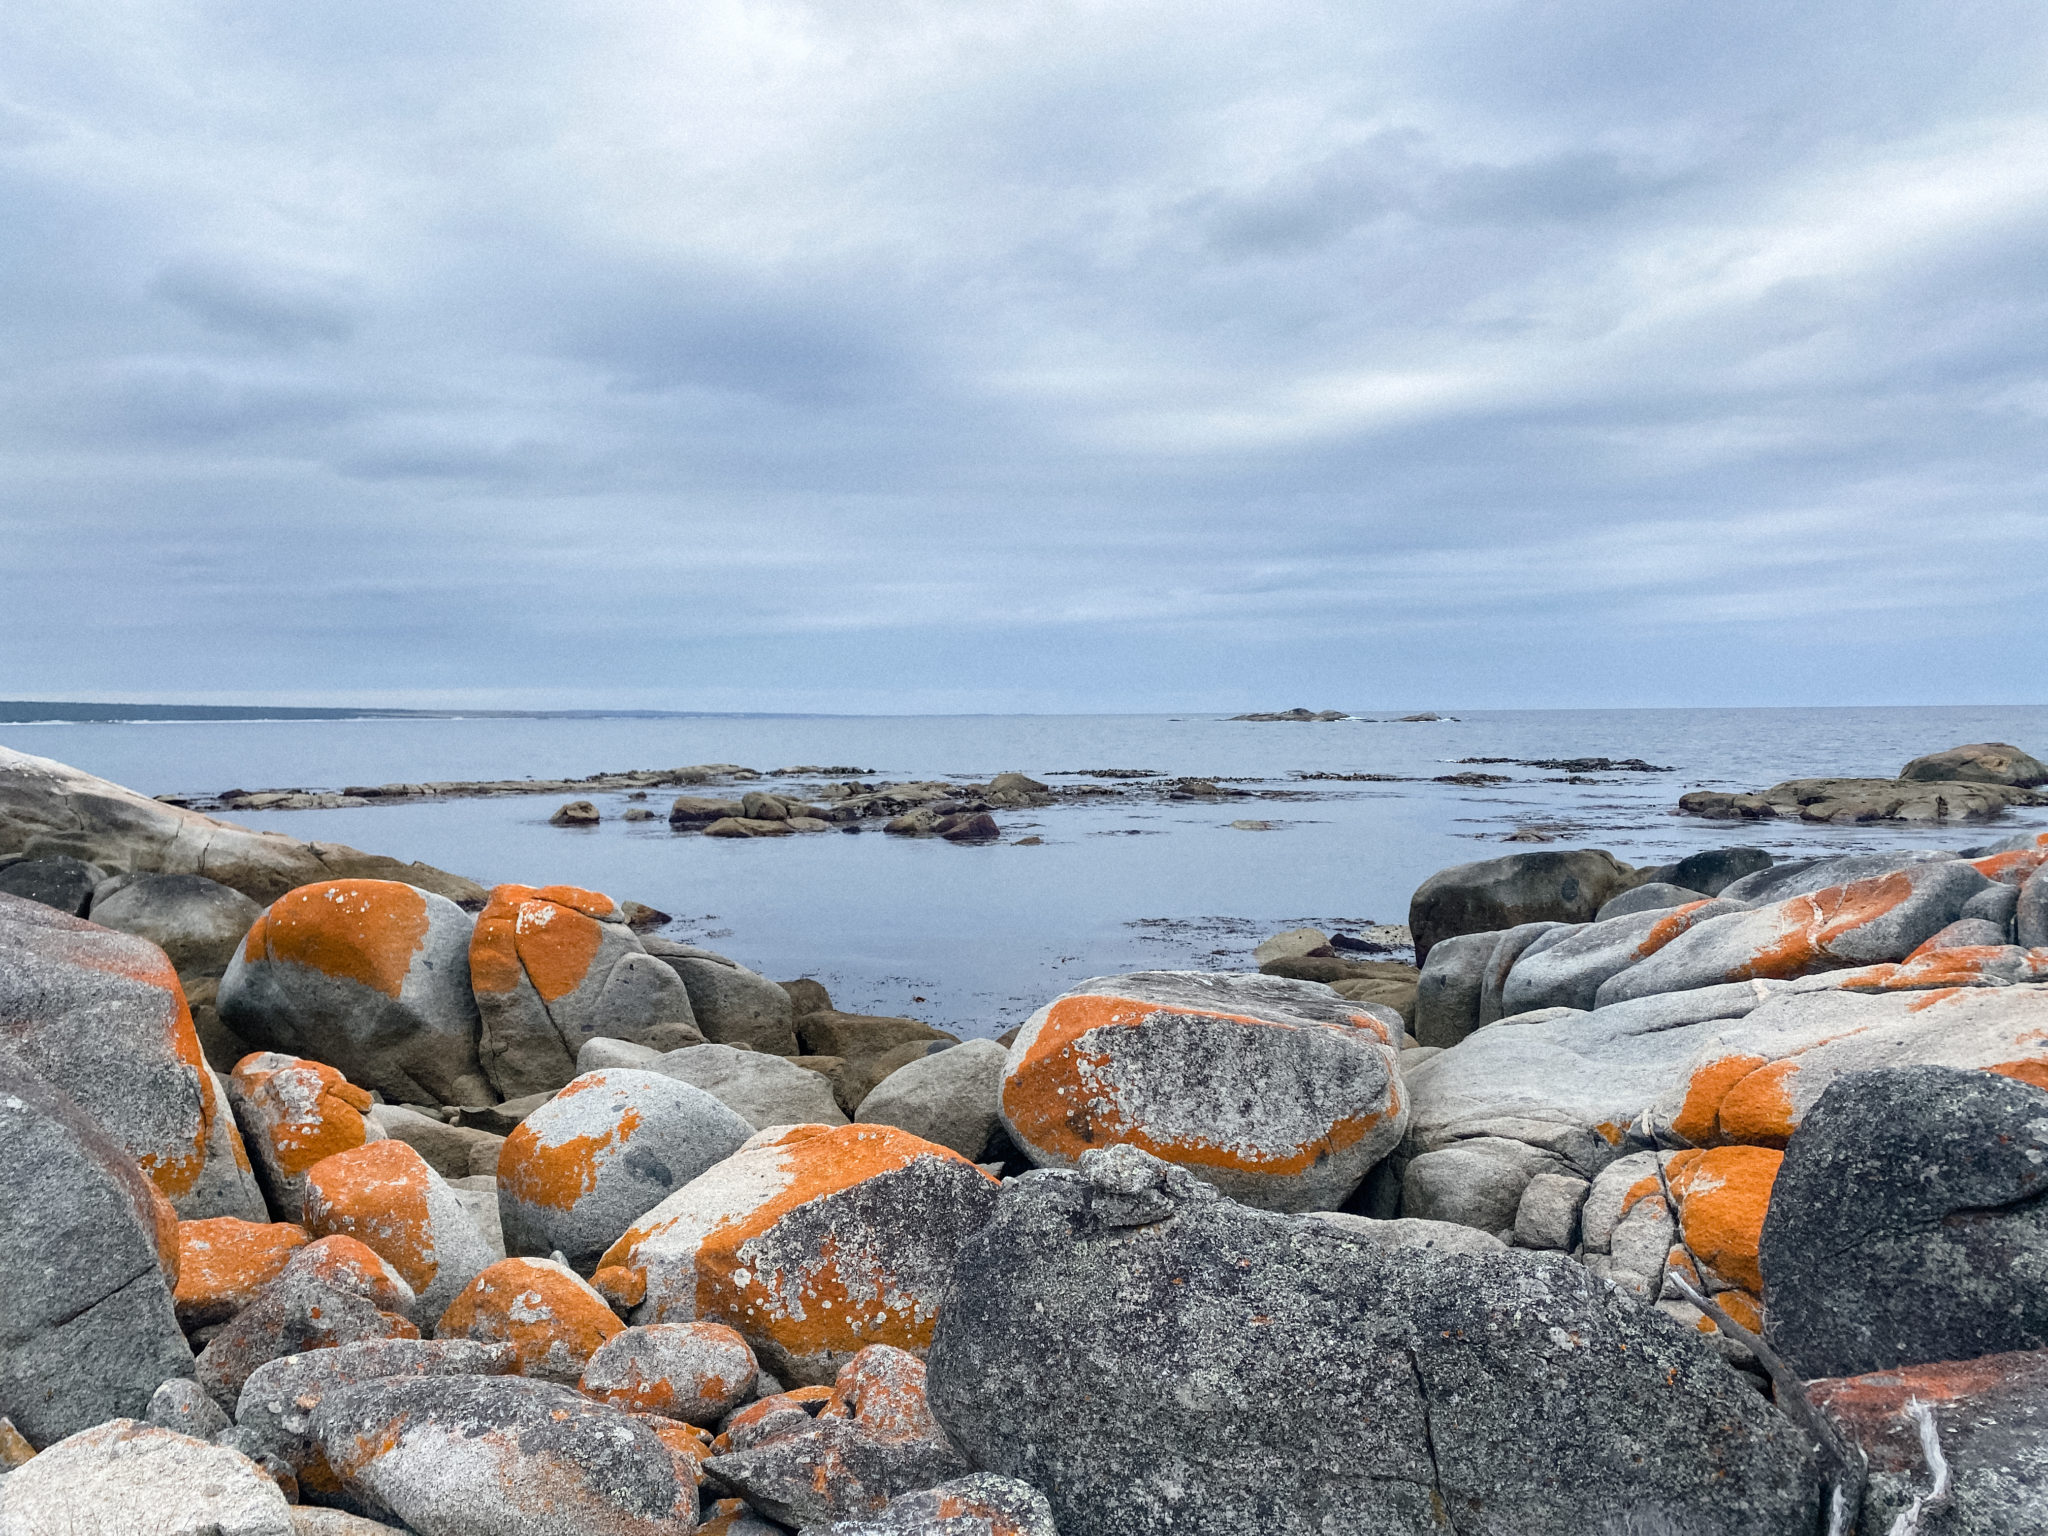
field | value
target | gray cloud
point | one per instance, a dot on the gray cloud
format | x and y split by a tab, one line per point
783	355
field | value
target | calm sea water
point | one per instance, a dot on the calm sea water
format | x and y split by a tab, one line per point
974	938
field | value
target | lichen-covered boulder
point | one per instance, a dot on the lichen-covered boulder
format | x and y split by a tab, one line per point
1721	1195
197	922
293	1112
980	1504
89	1249
1988	1418
479	1455
1557	886
296	1312
123	1477
609	1147
385	1196
1885	917
812	1241
551	1318
1278	1092
695	1372
1907	1224
556	966
102	1017
278	1400
1567	964
1319	1382
347	1265
224	1264
369	976
873	1439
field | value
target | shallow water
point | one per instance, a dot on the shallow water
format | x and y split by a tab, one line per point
974	938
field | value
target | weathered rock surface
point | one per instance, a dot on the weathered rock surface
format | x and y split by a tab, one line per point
1447	995
1277	1092
609	1147
1984	762
296	1312
101	1016
48	808
557	966
695	1372
550	1317
1652	896
731	1004
1316	1377
370	977
980	1504
123	1477
763	1090
952	1097
89	1250
385	1196
293	1112
1851	801
181	1404
64	885
196	921
1566	966
1991	1420
224	1264
485	1455
873	1439
1941	1253
865	1218
1566	886
453	1151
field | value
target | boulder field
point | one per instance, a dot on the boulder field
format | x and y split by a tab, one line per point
1704	1198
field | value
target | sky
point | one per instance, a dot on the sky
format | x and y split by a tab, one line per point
1040	357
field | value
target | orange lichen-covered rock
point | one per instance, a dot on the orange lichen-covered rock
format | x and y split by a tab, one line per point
982	1503
1279	1092
812	1242
550	1317
1882	918
554	967
294	1313
347	1265
611	1146
369	976
874	1437
101	1016
224	1263
388	1198
1722	1195
696	1372
293	1112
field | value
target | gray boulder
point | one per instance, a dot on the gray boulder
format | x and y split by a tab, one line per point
952	1097
731	1004
1161	1360
87	1329
980	1504
1983	762
1711	872
764	1090
1478	1182
1453	979
1413	1232
610	1146
1943	1252
124	1477
1566	967
1997	904
2030	912
1656	896
1566	886
296	1312
1800	877
196	921
1509	948
470	1455
1988	1415
65	884
1965	933
183	1405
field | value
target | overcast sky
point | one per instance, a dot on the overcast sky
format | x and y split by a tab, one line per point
745	354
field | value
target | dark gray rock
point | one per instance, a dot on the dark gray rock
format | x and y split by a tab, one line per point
980	1504
1994	904
1983	762
182	1404
1965	933
731	1004
65	884
1161	1360
296	1312
2030	913
87	1329
196	921
1991	1420
1800	877
1713	871
1943	1252
1566	886
1448	995
1509	948
1655	896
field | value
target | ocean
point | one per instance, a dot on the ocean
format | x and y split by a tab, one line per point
973	938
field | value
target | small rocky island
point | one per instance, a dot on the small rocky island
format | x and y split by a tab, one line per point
342	1196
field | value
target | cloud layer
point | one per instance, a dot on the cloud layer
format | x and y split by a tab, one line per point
926	356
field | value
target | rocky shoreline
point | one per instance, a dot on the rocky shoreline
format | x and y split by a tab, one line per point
344	1196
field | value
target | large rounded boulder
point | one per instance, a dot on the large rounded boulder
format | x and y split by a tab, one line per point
1560	886
196	921
608	1148
386	1197
102	1017
1280	1093
812	1241
293	1113
370	977
555	967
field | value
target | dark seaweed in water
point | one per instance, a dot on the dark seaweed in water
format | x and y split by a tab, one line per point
1577	764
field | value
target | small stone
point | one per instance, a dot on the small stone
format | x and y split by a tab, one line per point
695	1372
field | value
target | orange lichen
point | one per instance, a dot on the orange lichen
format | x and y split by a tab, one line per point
688	1445
552	1320
624	1288
1698	1117
347	1265
1815	921
1612	1131
308	1110
1647	1187
2010	868
366	931
377	1194
557	1175
2032	1070
223	1262
1722	1195
1678	920
524	932
1051	1099
758	1410
1758	1109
